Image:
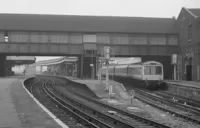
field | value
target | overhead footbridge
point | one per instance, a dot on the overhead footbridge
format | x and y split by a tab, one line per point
86	36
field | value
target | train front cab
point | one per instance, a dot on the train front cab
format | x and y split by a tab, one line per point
153	75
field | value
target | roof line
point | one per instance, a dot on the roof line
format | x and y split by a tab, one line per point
73	15
190	12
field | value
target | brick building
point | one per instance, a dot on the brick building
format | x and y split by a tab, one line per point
188	23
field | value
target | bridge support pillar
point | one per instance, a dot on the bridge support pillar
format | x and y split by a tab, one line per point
8	68
86	67
89	67
80	66
2	65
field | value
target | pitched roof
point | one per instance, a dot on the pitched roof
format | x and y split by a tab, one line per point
56	61
46	62
195	11
72	23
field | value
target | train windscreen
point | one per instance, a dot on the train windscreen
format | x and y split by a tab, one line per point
152	70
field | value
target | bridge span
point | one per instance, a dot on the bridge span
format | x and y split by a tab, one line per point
86	36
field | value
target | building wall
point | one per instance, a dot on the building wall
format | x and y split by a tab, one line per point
189	39
197	47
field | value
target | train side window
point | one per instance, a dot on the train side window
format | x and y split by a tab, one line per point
134	71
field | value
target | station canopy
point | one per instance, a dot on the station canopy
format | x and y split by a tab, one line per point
56	61
21	60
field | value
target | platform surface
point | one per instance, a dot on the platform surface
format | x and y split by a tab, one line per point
99	88
185	83
18	110
96	87
131	104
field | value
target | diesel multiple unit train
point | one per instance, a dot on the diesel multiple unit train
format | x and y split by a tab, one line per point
144	74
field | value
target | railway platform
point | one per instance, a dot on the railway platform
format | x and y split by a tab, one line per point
99	88
18	110
125	102
192	84
188	89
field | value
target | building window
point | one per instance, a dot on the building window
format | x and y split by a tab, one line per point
90	52
90	38
189	32
138	39
119	39
157	40
103	38
172	40
6	36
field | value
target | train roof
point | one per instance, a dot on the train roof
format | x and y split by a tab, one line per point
147	63
139	64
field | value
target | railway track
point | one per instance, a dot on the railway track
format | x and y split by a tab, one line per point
188	113
195	104
69	117
122	115
100	118
68	101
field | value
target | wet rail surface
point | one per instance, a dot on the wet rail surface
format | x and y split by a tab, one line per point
36	87
121	113
184	111
111	119
184	100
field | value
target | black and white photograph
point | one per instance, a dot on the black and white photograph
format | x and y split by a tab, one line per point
100	64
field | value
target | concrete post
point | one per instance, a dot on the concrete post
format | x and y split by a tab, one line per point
174	71
82	57
41	69
107	78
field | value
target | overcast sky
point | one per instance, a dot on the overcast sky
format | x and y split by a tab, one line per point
139	8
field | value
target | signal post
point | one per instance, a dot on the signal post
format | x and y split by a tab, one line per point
107	56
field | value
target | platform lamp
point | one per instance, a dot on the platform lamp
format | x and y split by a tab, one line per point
107	57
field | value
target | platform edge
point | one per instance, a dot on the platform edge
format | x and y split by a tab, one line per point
58	121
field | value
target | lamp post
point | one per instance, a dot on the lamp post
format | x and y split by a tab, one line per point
107	56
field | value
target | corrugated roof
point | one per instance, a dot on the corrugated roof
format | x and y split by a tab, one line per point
56	61
195	11
49	61
72	23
